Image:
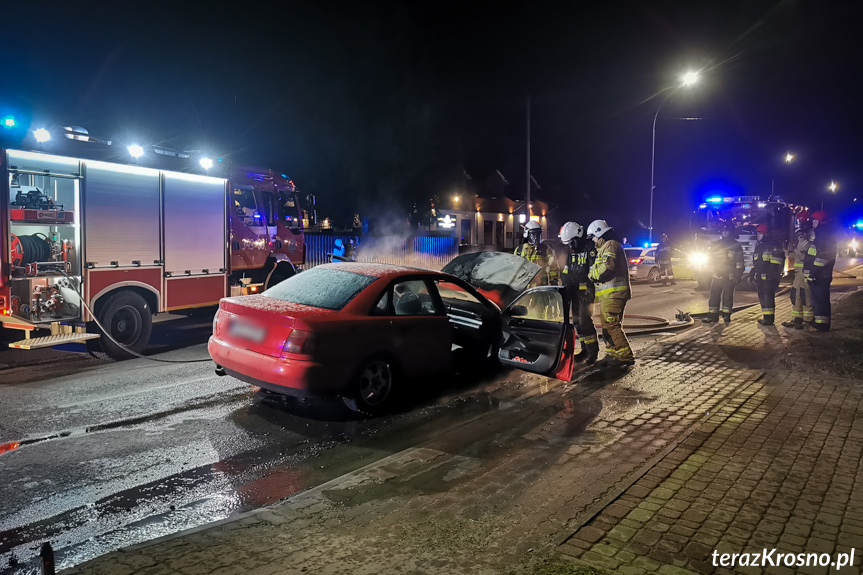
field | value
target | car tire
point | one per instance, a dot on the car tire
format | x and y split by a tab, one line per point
373	390
653	275
128	320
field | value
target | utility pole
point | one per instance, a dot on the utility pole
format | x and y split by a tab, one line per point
527	190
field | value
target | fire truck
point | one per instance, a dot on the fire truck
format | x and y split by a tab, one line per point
746	212
86	243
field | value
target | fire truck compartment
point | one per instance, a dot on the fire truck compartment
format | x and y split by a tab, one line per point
121	215
194	223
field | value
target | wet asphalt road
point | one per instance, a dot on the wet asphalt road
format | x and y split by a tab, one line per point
101	455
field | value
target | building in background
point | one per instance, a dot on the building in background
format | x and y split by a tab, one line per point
488	222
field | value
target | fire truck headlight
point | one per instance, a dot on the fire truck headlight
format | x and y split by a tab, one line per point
698	259
135	151
853	244
206	163
42	135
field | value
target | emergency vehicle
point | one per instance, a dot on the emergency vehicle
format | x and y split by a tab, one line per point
746	212
87	242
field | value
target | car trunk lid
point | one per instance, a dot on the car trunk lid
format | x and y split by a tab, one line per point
261	324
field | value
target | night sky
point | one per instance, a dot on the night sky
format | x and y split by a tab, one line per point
374	105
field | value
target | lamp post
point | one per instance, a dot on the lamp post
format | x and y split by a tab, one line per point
688	79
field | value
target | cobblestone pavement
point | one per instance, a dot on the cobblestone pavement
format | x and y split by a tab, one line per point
505	490
777	467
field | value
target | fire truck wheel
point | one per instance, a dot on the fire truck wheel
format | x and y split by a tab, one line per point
128	320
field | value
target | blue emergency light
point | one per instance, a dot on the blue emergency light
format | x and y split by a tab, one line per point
9	122
714	200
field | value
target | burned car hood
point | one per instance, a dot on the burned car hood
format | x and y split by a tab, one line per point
500	277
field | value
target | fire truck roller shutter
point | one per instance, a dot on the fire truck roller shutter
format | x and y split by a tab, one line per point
121	215
195	224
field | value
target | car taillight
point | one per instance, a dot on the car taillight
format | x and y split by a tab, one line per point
215	322
635	261
299	342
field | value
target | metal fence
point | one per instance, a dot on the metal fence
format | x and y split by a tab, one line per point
418	251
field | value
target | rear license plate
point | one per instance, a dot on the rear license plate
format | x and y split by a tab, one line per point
243	330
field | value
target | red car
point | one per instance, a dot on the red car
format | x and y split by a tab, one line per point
360	331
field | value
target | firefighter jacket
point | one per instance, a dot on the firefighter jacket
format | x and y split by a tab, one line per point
768	260
543	256
726	257
610	272
663	253
820	256
578	267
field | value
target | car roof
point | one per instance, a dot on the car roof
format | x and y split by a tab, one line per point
377	270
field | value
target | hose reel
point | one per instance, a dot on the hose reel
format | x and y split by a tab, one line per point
30	249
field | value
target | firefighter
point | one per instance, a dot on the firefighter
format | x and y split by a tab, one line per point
580	288
533	250
726	258
663	260
610	275
338	249
801	294
818	269
768	260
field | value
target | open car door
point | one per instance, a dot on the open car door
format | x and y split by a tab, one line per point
537	334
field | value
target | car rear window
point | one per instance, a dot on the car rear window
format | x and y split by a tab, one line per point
320	287
633	252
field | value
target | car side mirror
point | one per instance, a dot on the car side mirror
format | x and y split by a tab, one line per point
518	311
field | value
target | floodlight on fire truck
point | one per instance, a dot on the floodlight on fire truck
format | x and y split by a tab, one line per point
42	135
9	122
206	163
135	151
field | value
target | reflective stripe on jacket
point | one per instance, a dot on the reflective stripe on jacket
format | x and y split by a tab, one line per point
768	260
821	255
610	273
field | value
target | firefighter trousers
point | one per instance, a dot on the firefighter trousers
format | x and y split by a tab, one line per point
666	272
821	304
767	298
801	301
582	316
616	344
721	299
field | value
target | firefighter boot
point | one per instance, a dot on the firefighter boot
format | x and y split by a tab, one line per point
582	355
726	317
711	318
592	352
766	320
796	323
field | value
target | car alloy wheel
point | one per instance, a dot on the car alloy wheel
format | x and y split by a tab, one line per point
653	275
376	383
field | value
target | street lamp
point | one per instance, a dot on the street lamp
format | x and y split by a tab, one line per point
688	79
832	187
788	158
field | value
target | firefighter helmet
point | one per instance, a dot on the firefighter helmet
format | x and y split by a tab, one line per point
802	216
821	216
532	226
571	231
597	229
762	229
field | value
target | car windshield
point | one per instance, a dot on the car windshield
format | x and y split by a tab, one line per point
321	287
